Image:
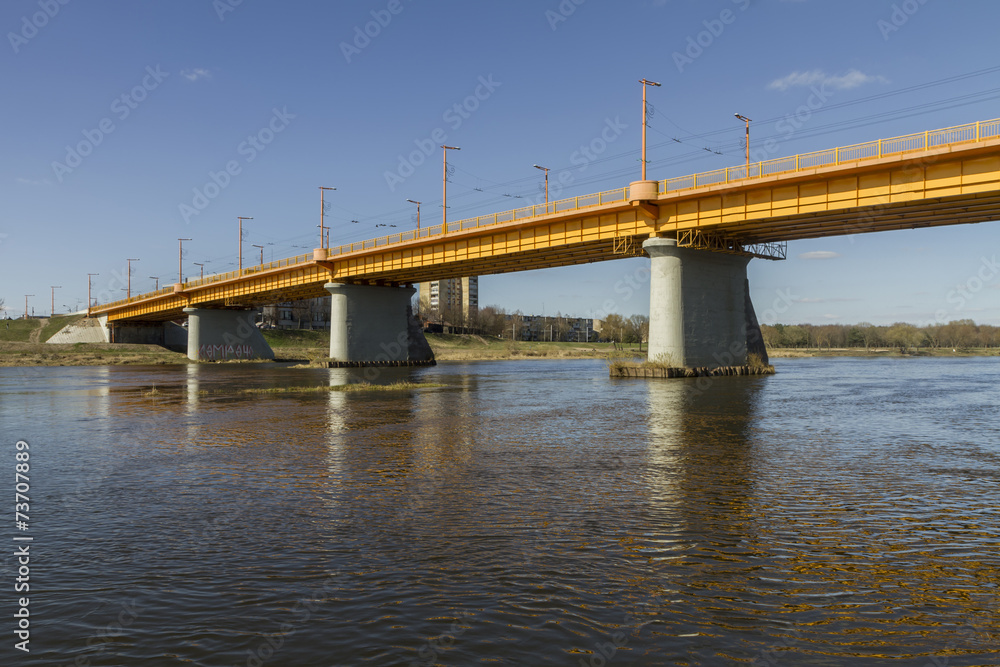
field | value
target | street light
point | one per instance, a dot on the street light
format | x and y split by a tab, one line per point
89	302
644	83
242	218
322	213
444	198
128	290
26	305
747	121
52	306
157	279
202	268
261	252
180	263
412	201
546	170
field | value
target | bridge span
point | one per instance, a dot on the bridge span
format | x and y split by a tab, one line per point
700	232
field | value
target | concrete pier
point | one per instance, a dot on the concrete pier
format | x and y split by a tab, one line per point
371	324
224	335
700	314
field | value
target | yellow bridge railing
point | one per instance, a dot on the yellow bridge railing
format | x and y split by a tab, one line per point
870	150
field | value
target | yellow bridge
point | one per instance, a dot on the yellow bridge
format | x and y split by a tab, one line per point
941	177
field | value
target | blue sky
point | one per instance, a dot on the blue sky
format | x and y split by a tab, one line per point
289	96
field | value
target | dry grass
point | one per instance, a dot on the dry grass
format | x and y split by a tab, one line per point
467	347
86	354
756	362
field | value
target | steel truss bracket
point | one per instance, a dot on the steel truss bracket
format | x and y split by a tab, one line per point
699	240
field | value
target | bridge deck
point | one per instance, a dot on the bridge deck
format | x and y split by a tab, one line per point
944	177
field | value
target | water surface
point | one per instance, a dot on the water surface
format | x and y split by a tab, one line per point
842	512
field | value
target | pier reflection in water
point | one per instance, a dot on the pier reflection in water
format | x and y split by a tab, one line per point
525	512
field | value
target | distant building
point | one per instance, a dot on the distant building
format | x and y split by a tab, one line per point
305	314
450	298
540	327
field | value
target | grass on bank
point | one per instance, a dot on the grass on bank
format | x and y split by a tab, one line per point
86	354
18	330
619	360
467	347
57	323
289	344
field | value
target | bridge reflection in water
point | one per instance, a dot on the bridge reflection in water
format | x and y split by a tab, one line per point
532	511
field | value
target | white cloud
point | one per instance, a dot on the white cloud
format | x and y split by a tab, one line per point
833	300
196	73
819	254
818	77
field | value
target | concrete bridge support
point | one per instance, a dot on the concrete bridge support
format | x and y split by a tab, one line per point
700	313
224	335
371	324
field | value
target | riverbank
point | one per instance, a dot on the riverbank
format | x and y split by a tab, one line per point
798	353
22	343
309	346
14	353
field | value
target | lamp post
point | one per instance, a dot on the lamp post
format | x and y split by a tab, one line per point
157	286
546	170
52	305
412	201
261	253
180	261
747	121
322	213
202	268
26	305
644	83
242	218
89	302
444	197
128	290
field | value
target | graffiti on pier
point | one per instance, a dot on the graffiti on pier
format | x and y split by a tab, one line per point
221	352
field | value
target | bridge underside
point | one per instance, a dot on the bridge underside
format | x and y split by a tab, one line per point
529	250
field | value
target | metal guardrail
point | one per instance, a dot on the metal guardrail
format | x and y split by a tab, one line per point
870	150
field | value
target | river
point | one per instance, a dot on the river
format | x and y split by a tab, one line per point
841	512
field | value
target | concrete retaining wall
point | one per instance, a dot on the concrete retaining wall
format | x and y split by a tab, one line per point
81	331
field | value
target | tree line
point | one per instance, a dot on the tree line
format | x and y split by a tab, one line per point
958	334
